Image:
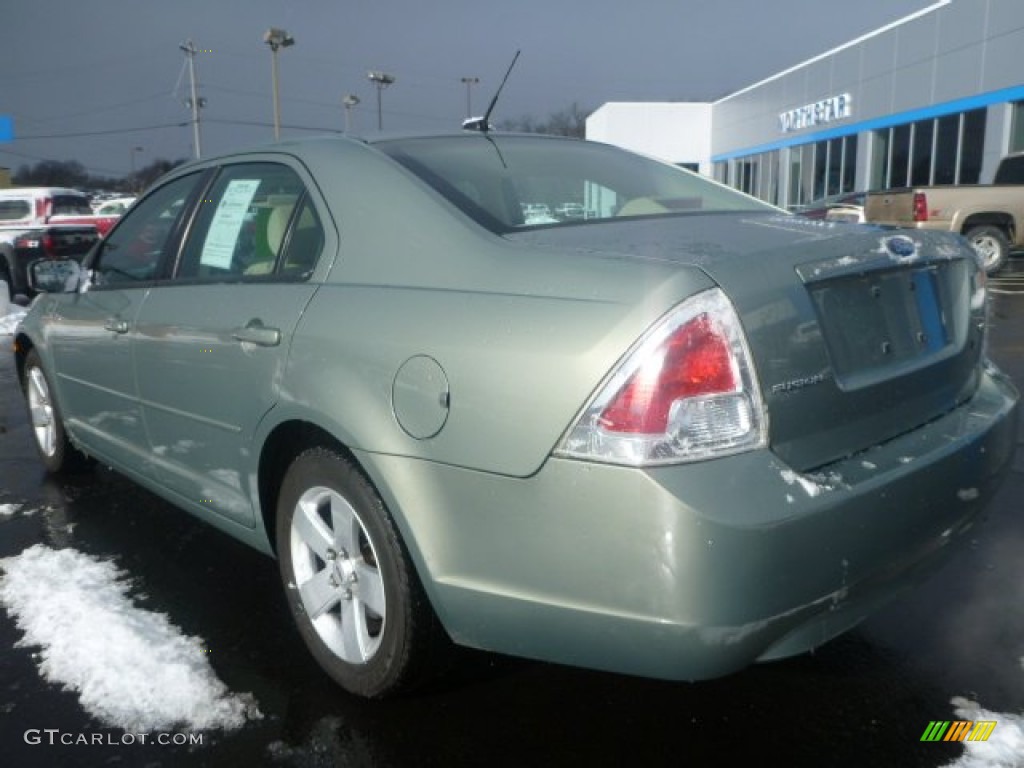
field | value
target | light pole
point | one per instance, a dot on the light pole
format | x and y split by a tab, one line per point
349	101
276	38
382	80
469	83
131	178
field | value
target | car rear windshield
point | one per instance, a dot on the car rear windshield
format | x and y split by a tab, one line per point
510	182
71	205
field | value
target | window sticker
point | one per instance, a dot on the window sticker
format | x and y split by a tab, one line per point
219	246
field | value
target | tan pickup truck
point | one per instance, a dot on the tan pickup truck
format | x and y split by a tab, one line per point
990	216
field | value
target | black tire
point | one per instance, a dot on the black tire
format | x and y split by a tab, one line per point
992	246
349	581
56	452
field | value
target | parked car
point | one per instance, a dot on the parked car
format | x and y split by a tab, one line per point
990	216
114	207
537	213
688	433
567	211
845	207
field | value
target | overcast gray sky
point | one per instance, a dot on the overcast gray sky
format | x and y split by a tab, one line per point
90	81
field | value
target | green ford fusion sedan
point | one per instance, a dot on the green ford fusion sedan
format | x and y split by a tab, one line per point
538	396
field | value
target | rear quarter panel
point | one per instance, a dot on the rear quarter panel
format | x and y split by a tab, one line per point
522	335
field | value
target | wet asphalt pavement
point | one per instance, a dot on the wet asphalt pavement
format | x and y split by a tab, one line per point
862	700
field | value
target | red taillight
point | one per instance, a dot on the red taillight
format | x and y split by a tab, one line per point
49	246
685	392
693	361
920	206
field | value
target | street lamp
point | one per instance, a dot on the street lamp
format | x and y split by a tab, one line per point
133	182
276	38
349	101
382	81
469	83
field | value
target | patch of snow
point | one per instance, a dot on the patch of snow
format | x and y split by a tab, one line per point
967	494
6	510
131	667
10	321
1004	748
868	465
811	488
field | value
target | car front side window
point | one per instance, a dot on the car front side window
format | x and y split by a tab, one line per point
134	251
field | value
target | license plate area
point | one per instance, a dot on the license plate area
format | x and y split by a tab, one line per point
881	323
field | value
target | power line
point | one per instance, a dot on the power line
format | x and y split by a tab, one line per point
99	109
261	124
101	133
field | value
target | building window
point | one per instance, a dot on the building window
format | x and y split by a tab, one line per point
947	150
881	141
1017	128
972	147
849	170
900	156
822	169
921	167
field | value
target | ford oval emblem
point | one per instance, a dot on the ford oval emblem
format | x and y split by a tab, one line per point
900	246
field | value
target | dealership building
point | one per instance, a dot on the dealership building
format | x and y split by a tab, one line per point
936	97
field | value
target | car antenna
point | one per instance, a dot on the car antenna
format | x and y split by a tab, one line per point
481	123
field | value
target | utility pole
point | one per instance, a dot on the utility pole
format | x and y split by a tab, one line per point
195	102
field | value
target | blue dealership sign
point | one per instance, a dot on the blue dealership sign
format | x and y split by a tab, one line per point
6	128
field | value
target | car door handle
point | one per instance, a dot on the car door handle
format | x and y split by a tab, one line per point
255	332
116	325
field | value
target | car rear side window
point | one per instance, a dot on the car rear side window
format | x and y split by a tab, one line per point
255	222
13	210
1010	171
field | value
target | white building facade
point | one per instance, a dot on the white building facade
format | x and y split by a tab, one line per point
934	98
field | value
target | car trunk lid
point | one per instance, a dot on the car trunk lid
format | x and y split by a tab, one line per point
858	334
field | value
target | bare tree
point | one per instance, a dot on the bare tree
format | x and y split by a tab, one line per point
571	121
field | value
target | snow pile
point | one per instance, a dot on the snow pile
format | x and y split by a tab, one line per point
1004	748
131	667
10	321
6	510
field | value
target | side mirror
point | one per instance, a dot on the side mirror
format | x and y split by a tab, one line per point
55	275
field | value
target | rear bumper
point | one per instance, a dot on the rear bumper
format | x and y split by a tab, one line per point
697	570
